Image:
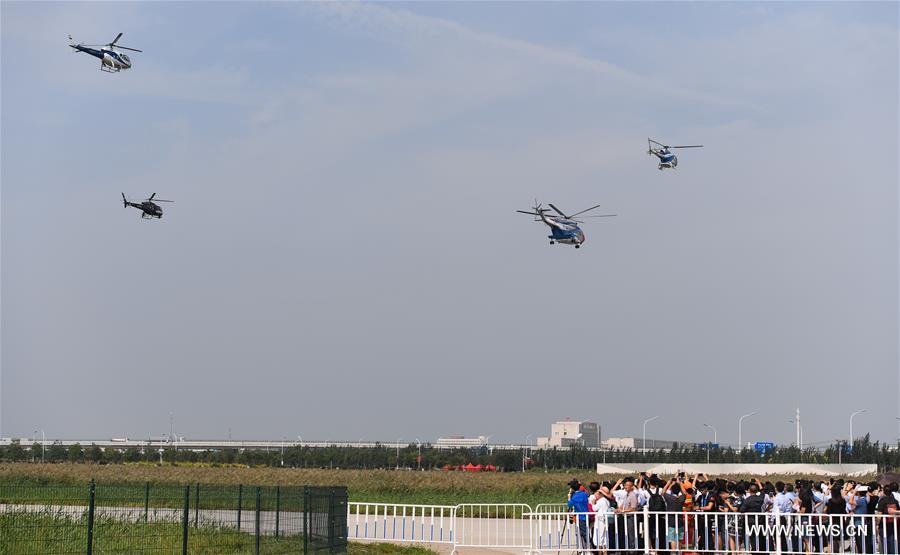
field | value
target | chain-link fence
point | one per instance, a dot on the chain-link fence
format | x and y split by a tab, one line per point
153	518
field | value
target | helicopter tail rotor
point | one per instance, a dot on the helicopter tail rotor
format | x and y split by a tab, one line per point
124	201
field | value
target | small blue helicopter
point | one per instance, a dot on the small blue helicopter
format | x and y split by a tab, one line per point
563	228
111	60
666	158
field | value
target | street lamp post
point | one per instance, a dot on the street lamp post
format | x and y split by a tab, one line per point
644	442
715	440
43	445
860	411
419	457
740	429
525	450
282	450
399	439
799	434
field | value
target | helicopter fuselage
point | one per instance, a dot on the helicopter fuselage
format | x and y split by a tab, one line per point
563	231
148	209
666	158
110	60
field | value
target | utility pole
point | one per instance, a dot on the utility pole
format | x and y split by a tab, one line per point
799	437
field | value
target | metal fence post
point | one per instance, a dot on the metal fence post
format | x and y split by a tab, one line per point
277	509
306	520
240	495
332	520
146	501
90	522
778	529
197	506
184	520
646	529
256	526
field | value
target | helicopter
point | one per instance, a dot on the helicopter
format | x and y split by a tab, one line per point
666	158
563	228
148	207
111	59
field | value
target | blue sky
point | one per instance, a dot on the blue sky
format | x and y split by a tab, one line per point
344	240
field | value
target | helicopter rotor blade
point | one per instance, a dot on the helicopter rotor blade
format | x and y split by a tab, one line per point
126	48
530	213
557	210
686	146
115	40
163	200
601	216
583	211
151	196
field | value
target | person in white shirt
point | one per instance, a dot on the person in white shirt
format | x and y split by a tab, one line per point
602	511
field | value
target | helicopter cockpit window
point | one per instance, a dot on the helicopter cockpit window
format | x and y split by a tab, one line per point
125	58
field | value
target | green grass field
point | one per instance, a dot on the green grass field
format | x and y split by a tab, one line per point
48	483
46	532
36	482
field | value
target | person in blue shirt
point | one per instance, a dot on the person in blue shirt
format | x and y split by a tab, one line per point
578	503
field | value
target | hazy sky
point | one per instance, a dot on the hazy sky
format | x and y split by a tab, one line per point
343	259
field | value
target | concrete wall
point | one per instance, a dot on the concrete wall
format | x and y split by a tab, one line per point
760	469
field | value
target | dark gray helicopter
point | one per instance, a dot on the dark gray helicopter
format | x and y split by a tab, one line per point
148	207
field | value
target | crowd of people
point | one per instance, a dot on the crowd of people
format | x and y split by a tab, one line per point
701	514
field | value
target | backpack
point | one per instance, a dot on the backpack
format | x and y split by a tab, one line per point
657	503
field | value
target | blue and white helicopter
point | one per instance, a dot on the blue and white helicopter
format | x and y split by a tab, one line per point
111	59
666	158
563	228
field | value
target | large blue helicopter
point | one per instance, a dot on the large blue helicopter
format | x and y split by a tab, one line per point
563	228
666	158
111	59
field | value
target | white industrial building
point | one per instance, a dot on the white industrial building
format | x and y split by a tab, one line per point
568	433
460	441
640	443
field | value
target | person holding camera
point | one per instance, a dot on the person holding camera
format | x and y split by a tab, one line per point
578	503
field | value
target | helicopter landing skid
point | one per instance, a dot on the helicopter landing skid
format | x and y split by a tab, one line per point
107	69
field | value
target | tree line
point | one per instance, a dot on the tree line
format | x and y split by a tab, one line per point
886	456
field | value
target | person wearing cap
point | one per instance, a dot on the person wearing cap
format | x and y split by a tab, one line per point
602	510
578	503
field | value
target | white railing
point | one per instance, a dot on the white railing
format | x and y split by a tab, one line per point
516	527
492	526
400	523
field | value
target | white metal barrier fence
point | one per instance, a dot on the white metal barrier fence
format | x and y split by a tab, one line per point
386	522
492	526
516	527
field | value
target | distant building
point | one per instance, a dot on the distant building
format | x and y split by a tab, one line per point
638	443
568	433
454	442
